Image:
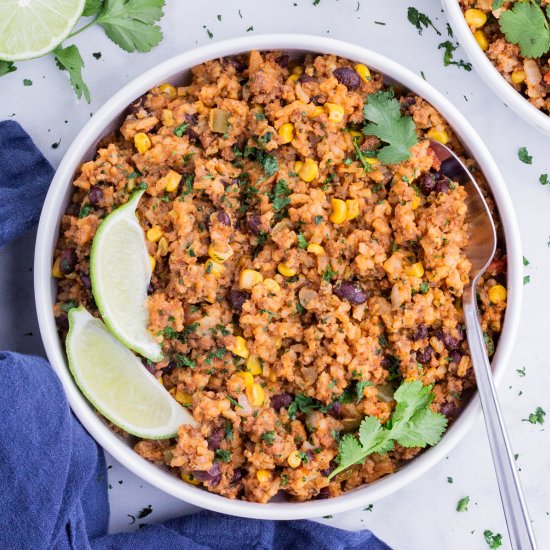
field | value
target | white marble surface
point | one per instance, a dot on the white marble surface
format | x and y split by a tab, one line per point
423	515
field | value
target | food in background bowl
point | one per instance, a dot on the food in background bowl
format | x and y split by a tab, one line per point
307	269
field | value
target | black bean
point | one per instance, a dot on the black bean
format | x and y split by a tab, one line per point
450	342
209	475
455	356
336	410
85	280
425	355
450	410
223	218
73	209
169	368
428	183
327	471
282	60
150	288
215	438
348	77
149	367
281	401
254	224
62	321
67	261
96	196
238	474
408	102
323	494
443	185
237	298
309	456
318	100
306	78
137	105
350	292
421	332
190	119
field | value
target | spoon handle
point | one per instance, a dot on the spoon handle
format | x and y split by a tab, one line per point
515	509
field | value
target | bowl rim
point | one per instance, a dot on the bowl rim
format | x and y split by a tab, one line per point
48	232
489	73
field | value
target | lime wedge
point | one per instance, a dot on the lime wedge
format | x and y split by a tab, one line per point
113	379
120	271
31	28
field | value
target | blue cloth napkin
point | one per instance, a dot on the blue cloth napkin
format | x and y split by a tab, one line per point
53	479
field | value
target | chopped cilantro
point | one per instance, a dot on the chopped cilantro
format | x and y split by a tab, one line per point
419	19
494	540
524	156
184	361
27	82
462	505
145	512
269	437
233	402
181	129
536	417
328	274
448	57
228	429
222	455
544	180
360	388
521	372
67	306
302	242
317	220
84	211
526	279
450	480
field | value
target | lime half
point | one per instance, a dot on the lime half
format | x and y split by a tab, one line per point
31	28
120	272
117	384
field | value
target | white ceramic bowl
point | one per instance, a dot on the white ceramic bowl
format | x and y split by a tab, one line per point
490	74
83	148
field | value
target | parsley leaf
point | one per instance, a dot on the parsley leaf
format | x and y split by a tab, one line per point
6	67
418	19
525	25
494	540
462	505
69	59
383	113
524	156
130	23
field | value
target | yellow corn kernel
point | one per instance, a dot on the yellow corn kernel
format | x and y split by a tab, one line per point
263	476
253	364
298	70
153	262
294	459
475	18
167	117
286	271
292	78
316	111
278	343
415	270
239	348
316	249
438	135
352	206
154	234
162	246
218	256
56	270
497	294
518	77
415	202
481	39
142	142
215	268
248	379
298	166
249	278
339	211
169	90
188	478
255	394
272	286
335	112
272	377
356	136
286	132
183	398
172	180
309	171
363	72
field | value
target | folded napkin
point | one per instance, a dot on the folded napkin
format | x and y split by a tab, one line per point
53	482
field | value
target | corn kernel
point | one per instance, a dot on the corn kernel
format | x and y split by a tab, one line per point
475	18
162	246
294	459
363	72
415	202
167	117
292	78
172	180
438	135
518	77
153	262
239	348
142	142
183	398
56	270
415	270
154	234
286	271
249	278
497	294
339	211
220	256
298	166
272	286
317	249
286	132
316	111
253	364
298	70
272	377
335	112
248	379
309	171
352	206
356	136
263	476
169	90
256	395
215	268
481	39
188	478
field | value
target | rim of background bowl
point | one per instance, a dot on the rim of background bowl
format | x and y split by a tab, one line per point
48	232
490	74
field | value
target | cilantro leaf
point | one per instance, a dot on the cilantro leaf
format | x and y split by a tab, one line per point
92	7
424	428
462	505
544	180
69	59
351	452
383	113
536	417
302	241
525	25
130	23
497	4
524	155
6	67
494	540
418	19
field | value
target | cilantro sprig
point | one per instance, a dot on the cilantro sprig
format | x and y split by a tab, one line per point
412	424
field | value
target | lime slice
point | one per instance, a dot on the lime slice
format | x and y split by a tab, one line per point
120	272
117	384
31	28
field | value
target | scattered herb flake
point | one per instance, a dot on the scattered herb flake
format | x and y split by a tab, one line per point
222	455
462	505
536	417
448	56
7	67
145	512
544	179
521	372
419	19
302	243
27	82
524	156
494	540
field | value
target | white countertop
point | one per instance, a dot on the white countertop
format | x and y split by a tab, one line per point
422	516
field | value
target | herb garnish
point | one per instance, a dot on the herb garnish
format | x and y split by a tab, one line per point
448	57
494	540
524	156
181	129
536	417
269	437
418	19
462	505
222	455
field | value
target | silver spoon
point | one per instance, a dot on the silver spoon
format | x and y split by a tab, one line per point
480	252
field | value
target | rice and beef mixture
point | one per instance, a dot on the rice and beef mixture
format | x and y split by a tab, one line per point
529	75
297	280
